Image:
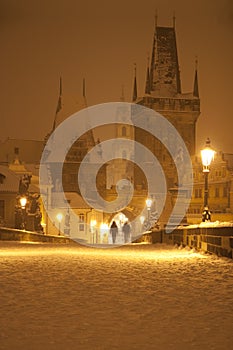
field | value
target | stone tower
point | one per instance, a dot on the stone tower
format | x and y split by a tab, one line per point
163	94
78	150
163	91
121	167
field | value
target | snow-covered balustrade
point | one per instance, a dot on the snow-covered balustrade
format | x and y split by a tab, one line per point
10	234
212	237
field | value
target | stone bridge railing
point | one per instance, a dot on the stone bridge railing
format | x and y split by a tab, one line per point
10	234
216	240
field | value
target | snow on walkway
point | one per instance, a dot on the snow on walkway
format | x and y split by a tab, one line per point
132	297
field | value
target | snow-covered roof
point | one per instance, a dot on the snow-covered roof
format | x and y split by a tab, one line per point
75	200
10	181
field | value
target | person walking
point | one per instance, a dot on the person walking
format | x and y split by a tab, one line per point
126	231
114	231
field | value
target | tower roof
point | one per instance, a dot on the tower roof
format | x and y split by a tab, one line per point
68	105
164	70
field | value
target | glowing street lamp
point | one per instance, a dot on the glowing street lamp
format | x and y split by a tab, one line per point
59	219
207	155
93	223
142	219
23	202
103	232
94	231
148	205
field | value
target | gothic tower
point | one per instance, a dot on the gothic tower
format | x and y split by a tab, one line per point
163	91
121	167
163	94
78	150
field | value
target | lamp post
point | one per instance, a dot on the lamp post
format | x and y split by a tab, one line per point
207	155
94	231
23	202
59	218
148	205
142	219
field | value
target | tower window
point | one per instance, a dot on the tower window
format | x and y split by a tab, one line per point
81	227
198	193
123	131
2	209
225	191
81	217
2	178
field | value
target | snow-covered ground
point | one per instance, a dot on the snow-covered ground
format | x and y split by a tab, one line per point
132	297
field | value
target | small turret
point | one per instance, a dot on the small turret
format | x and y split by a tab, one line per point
135	92
195	85
122	98
147	88
59	105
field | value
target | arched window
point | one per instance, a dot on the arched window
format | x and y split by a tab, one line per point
81	217
81	221
123	131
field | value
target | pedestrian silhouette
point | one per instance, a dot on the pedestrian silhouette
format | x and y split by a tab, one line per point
114	231
206	215
126	230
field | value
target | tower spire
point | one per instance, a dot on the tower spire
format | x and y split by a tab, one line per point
135	92
156	18
147	89
195	85
152	64
164	73
84	88
59	104
122	98
84	97
174	19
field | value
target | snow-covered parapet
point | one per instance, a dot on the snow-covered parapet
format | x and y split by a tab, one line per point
210	224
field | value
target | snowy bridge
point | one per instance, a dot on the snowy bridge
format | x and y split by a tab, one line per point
132	297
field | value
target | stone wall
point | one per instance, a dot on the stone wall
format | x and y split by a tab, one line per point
7	234
214	240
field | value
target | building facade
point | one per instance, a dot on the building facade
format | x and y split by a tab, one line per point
163	94
220	189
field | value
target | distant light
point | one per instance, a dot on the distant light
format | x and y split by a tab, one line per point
142	219
148	203
59	217
104	226
23	202
93	223
207	155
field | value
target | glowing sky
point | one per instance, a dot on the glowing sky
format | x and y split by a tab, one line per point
101	40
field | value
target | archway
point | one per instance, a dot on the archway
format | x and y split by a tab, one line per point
120	218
